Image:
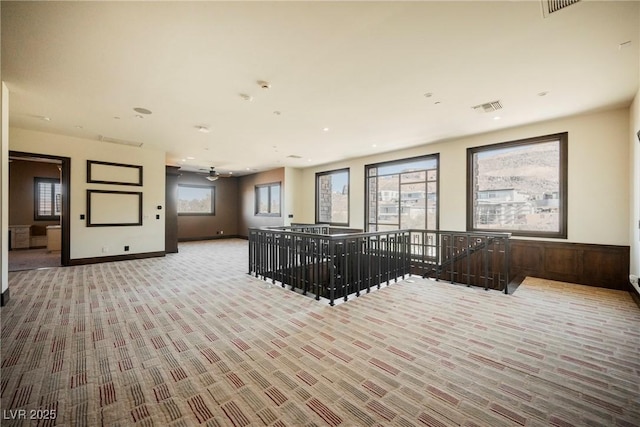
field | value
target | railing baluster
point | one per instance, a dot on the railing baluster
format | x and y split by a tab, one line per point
308	259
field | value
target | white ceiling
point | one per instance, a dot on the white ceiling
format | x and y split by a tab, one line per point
360	69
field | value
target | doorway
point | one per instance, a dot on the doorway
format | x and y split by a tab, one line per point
39	206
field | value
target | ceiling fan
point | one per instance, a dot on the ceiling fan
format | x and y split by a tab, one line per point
213	174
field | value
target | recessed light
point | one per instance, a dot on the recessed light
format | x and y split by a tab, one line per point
139	116
116	117
203	129
142	110
543	93
183	160
246	97
437	102
428	95
374	145
496	118
191	158
325	129
264	84
277	113
45	118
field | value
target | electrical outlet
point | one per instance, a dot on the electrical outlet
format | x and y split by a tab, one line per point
126	248
105	249
221	232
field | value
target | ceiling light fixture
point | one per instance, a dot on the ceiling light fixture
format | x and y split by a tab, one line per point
142	110
213	175
139	116
428	95
544	93
496	118
191	158
203	129
277	113
246	97
264	84
45	118
325	129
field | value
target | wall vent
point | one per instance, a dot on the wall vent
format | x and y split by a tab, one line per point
552	6
119	141
488	107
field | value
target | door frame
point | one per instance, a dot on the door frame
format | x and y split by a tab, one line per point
65	182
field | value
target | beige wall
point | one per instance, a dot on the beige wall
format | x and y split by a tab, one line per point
248	217
598	175
292	187
21	190
225	220
634	210
90	242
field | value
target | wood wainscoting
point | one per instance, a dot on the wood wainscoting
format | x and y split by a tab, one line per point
606	266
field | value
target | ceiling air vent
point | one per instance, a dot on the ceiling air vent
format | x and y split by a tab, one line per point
551	6
119	141
488	107
293	156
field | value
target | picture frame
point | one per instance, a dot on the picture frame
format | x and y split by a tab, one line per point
114	208
113	173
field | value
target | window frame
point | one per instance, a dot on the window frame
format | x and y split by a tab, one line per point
433	156
563	142
212	188
269	186
36	198
317	201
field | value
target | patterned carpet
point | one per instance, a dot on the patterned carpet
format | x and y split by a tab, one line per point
191	339
29	259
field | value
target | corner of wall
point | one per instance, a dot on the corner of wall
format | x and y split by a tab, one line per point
634	196
4	192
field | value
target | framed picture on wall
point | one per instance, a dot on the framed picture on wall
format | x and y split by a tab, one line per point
114	208
113	173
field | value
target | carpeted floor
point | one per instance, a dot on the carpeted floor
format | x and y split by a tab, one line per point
31	259
191	339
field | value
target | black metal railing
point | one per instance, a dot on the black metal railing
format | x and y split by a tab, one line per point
336	263
331	266
471	258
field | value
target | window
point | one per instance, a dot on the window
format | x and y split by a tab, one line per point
519	187
47	199
403	194
196	200
268	199
332	197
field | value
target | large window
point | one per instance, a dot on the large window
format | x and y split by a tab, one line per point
332	197
196	200
268	199
519	187
48	199
403	194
